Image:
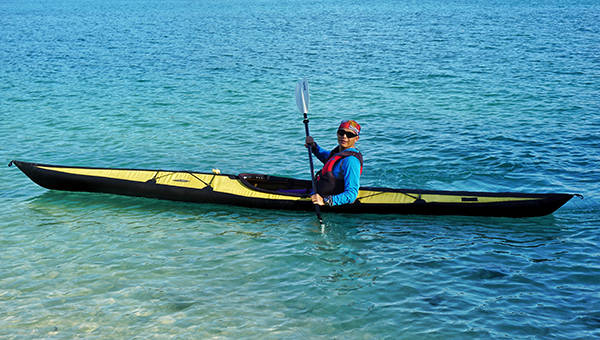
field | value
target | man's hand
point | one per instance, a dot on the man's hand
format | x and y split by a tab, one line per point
310	142
317	199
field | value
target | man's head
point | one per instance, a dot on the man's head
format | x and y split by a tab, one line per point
347	133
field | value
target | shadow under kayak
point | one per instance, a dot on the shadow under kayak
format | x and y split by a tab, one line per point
273	192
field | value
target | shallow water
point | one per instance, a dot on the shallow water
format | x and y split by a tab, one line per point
489	97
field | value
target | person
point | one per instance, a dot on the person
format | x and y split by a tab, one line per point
339	180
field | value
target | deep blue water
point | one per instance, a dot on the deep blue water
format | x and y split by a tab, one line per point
492	96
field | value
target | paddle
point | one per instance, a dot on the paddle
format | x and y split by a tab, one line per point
302	99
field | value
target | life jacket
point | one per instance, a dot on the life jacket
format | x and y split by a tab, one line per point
327	184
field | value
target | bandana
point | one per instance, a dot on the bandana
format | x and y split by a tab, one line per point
350	125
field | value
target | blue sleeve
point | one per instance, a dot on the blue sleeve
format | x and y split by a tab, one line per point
350	166
321	153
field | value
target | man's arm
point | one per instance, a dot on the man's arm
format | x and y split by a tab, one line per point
318	151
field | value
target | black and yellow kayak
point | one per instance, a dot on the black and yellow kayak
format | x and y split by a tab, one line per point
265	191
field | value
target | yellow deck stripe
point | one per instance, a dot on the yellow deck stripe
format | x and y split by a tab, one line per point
220	183
377	197
224	184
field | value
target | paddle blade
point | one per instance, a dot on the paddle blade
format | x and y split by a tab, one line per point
302	97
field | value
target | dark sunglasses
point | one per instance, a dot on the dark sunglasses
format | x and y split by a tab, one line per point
347	133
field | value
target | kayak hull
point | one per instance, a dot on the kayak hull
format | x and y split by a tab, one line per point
272	192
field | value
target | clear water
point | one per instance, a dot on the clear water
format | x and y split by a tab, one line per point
492	96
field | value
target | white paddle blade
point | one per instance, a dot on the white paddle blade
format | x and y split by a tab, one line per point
302	96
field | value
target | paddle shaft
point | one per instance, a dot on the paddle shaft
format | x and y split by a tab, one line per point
312	169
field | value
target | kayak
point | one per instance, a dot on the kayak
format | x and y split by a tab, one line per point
274	192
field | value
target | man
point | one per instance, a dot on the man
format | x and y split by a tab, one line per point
339	180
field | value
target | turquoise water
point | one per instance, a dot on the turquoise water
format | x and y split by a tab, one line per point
492	96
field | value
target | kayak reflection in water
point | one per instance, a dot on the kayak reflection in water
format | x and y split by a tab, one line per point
339	180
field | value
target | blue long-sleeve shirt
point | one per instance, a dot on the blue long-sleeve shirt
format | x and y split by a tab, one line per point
347	168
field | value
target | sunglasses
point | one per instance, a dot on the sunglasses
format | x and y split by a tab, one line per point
346	133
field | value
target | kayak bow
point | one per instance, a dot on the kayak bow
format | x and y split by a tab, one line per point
273	192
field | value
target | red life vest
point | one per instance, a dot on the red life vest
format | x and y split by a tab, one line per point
327	184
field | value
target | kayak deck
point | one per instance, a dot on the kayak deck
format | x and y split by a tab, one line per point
265	191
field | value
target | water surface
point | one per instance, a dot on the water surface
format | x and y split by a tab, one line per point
459	96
